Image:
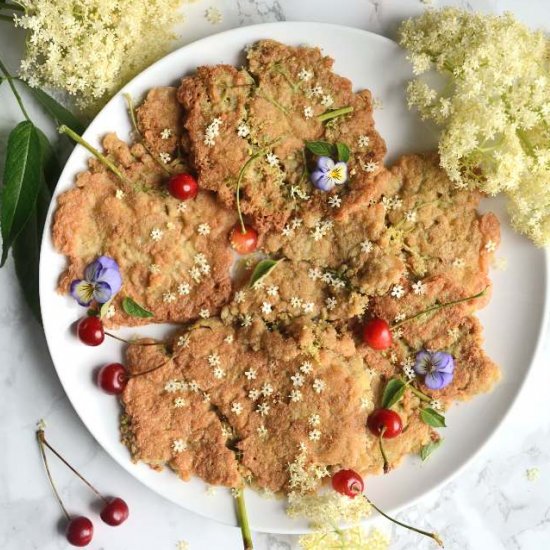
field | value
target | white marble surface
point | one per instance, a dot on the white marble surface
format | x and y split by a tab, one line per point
490	506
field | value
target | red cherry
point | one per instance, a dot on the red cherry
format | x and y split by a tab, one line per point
183	187
348	482
80	531
243	243
115	512
90	331
112	378
377	334
387	420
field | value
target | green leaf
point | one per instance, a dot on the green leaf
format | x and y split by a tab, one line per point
59	113
429	448
133	309
26	252
320	148
22	179
393	392
50	165
262	269
432	418
343	152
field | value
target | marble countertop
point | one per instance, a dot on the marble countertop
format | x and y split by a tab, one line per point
492	505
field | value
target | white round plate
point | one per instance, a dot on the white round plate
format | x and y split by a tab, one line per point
516	314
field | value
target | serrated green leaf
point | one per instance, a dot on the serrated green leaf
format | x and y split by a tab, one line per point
56	111
393	392
262	269
429	448
343	152
22	180
320	148
432	418
26	252
132	308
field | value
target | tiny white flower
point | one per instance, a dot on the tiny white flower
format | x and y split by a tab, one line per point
204	313
331	303
182	207
304	75
219	373
267	390
168	297
236	408
286	231
154	269
172	386
262	409
314	435
436	404
363	141
369	167
214	360
314	273
258	285
179	445
195	274
156	234
419	288
318	385
490	246
183	341
327	100
308	307
250	374
243	130
203	229
399	317
314	420
308	112
254	394
120	194
317	91
366	246
335	201
261	431
228	339
410	216
239	297
297	380
246	320
397	291
193	386
165	157
295	396
306	367
267	308
272	159
184	289
179	402
166	133
296	223
296	302
409	373
272	290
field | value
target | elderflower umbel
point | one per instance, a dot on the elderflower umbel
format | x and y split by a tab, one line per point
493	106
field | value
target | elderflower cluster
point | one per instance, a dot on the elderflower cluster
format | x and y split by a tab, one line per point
355	538
90	49
493	103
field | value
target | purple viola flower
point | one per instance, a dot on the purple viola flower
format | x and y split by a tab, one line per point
101	282
437	367
328	174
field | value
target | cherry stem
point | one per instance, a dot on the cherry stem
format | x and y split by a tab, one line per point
130	343
63	129
132	113
335	113
10	79
433	536
440	306
383	452
43	441
243	521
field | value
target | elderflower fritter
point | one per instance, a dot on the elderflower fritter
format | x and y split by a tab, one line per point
494	109
90	49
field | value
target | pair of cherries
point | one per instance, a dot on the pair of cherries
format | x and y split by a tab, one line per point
243	239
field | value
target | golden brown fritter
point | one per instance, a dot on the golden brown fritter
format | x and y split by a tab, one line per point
174	257
252	126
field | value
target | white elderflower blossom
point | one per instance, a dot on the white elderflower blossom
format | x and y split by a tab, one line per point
204	313
168	297
179	402
272	290
366	246
314	420
261	431
418	288
331	303
363	141
165	158
308	112
306	367
335	201
308	307
267	308
203	229
272	159
314	435
184	289
319	385
295	396
327	100
243	130
166	133
239	296
305	75
397	291
296	302
156	234
262	409
369	167
120	194
178	446
297	379
236	408
490	246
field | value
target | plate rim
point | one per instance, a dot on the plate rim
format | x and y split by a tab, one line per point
535	356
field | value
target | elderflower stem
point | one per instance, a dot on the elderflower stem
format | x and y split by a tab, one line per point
433	536
63	129
239	180
9	78
243	521
440	306
42	439
333	114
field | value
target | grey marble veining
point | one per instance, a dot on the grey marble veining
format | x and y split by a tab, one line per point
490	506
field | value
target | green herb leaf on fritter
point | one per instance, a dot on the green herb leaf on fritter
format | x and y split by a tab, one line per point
343	152
432	418
22	180
393	392
132	308
262	269
429	448
320	148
